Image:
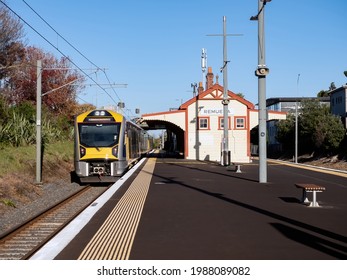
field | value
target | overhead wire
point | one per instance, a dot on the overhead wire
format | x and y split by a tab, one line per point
60	35
78	51
44	38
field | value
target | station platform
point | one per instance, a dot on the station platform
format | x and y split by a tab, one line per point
176	209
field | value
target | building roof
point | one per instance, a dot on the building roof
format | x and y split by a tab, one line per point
344	87
275	100
219	88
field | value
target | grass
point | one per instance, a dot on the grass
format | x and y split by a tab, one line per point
20	159
18	172
8	202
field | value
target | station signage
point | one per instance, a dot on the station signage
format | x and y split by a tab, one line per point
215	111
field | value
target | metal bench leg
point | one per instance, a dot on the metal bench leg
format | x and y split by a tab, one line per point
304	197
314	202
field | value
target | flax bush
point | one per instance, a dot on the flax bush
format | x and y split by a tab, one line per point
19	131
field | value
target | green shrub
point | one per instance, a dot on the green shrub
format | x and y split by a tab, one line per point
19	130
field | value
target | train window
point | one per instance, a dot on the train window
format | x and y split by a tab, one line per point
99	135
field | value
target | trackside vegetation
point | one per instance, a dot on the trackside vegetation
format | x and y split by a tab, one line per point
23	159
18	169
18	126
18	86
319	132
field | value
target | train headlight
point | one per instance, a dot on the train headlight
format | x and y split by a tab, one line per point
99	113
82	152
115	151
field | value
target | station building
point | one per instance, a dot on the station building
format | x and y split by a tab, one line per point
196	128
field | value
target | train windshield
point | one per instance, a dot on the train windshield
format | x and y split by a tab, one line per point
99	135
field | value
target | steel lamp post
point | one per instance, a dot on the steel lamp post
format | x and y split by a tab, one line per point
261	72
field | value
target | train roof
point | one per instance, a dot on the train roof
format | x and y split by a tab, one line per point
103	116
100	114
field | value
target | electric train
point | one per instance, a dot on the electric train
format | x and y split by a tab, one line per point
107	145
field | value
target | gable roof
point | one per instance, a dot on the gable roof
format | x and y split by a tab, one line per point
216	92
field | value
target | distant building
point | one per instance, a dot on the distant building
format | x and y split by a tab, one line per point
196	128
288	104
338	103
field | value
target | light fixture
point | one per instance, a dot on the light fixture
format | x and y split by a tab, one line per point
256	17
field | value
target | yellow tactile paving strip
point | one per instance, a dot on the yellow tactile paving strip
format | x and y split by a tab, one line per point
312	168
114	239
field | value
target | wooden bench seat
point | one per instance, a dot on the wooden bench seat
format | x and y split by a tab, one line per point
310	188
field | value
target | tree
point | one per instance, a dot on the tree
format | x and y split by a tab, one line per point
325	93
241	95
319	130
332	86
322	129
18	85
56	73
81	108
11	28
286	132
11	47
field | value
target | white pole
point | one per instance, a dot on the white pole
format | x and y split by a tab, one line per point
225	102
261	73
38	124
296	121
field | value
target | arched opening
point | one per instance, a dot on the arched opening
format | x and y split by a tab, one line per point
172	141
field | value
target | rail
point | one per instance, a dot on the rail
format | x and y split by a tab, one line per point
24	240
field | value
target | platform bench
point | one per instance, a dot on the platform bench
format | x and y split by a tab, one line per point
310	188
237	167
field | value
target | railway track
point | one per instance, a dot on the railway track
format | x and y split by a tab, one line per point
23	241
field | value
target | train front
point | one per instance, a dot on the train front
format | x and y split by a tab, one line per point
99	139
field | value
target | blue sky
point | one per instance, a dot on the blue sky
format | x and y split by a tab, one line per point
155	46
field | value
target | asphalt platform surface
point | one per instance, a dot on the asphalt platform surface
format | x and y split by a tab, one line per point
204	211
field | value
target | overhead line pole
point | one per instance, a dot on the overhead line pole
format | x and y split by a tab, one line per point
39	95
225	154
38	124
225	102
